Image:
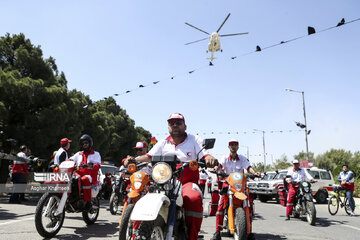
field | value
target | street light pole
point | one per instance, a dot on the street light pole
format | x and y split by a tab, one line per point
263	132
306	131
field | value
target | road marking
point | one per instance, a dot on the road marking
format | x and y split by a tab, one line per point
349	226
16	221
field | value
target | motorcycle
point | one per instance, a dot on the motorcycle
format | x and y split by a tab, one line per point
106	187
238	217
160	211
138	188
304	204
50	210
119	191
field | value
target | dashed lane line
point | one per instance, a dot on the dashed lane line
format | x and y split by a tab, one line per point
16	221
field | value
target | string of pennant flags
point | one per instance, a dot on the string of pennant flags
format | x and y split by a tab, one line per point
250	155
237	132
310	31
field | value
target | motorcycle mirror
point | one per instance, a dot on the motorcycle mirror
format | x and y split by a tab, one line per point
208	143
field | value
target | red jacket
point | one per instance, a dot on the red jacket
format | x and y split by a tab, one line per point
18	166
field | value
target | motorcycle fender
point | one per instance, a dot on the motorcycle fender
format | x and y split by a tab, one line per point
150	206
240	195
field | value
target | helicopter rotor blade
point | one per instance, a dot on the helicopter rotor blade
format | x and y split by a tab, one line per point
196	41
197	28
234	34
223	22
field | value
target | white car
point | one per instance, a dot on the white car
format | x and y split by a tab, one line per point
253	184
324	184
267	188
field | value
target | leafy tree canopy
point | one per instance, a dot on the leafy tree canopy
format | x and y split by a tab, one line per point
302	156
37	109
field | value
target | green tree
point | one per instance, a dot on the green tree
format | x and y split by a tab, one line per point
282	163
301	156
333	158
37	109
259	167
356	158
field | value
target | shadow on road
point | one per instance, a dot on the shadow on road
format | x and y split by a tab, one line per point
7	215
100	229
326	222
266	236
258	217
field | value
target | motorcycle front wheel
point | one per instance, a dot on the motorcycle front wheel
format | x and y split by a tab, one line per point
114	203
310	213
46	223
240	224
126	227
152	230
91	216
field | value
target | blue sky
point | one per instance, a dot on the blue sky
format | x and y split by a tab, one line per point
107	47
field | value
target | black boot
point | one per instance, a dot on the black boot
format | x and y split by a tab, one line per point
287	218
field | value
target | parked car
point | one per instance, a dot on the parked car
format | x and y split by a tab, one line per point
267	188
253	184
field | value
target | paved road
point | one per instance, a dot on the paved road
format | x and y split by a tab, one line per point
17	222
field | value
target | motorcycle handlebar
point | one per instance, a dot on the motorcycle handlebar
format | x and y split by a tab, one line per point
251	176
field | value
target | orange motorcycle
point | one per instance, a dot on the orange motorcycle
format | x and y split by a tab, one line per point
139	182
238	215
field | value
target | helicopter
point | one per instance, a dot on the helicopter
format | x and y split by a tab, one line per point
214	44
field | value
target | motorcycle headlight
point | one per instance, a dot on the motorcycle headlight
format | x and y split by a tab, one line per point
161	173
238	186
306	187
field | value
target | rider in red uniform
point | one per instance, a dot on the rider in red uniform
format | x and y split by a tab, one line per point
185	146
231	163
293	178
92	160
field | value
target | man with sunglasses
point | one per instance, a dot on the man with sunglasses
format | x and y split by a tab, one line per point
141	149
185	147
